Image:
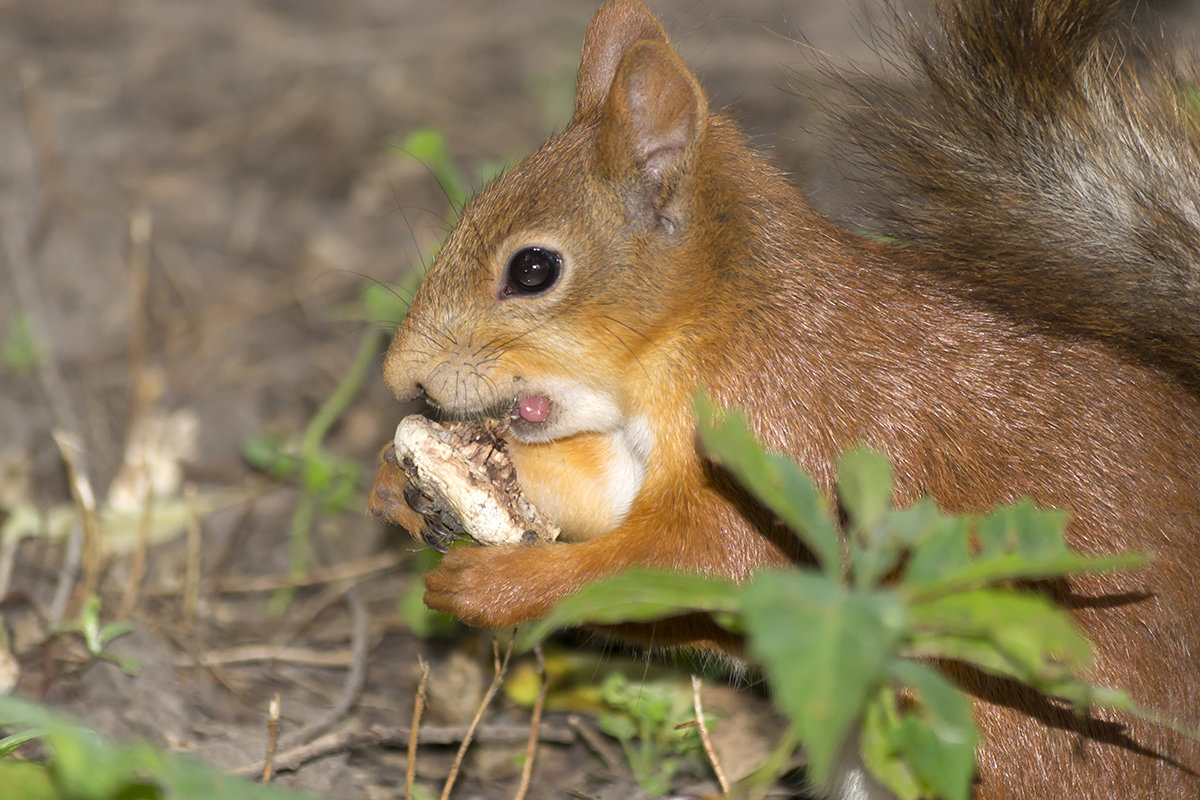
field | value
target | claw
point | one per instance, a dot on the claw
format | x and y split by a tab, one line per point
417	500
437	534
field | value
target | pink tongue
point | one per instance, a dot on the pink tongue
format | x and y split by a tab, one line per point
533	407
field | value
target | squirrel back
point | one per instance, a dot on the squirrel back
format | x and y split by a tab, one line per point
1050	164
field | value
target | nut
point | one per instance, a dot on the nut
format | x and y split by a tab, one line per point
465	468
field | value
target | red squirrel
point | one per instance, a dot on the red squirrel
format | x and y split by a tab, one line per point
1032	329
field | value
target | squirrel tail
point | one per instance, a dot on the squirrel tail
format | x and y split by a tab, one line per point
1049	163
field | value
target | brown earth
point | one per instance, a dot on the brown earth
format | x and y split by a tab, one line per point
257	146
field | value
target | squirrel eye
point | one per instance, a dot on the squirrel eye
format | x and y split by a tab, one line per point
532	270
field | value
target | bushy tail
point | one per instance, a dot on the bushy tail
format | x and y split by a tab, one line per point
1054	166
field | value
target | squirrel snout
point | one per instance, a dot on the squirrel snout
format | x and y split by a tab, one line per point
400	376
407	391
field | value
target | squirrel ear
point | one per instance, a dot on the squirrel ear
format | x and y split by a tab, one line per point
615	28
651	129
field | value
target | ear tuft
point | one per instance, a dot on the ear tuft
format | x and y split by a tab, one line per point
615	28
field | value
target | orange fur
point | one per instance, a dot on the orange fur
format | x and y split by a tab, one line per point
688	261
568	480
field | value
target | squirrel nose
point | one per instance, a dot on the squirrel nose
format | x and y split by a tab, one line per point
401	379
409	392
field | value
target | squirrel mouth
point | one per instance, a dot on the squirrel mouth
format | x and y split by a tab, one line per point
531	408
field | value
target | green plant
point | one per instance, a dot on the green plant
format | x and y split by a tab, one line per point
79	765
645	717
327	482
428	146
423	621
379	303
22	350
897	589
96	637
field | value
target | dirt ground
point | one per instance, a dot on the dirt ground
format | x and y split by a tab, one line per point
194	197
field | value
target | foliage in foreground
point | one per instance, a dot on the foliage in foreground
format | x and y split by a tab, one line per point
901	587
83	767
646	717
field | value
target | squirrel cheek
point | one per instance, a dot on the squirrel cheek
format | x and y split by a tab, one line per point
586	484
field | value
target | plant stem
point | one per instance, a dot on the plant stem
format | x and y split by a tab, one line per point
343	394
310	450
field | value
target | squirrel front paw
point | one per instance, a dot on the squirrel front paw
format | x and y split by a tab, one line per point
493	587
396	500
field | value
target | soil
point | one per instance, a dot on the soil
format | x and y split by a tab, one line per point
196	195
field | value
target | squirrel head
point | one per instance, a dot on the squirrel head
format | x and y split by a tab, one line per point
563	272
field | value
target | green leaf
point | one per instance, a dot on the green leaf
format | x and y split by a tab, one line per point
424	622
1032	638
318	473
89	625
654	779
1023	529
383	304
877	745
939	741
824	649
776	481
83	767
917	522
428	146
266	453
618	726
639	595
27	781
10	743
1019	542
114	630
130	666
23	350
1013	567
941	552
865	488
86	768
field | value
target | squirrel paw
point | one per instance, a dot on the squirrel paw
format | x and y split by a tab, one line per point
388	493
493	587
396	500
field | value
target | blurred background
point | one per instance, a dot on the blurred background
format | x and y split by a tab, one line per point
205	211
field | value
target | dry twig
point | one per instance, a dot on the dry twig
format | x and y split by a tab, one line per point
254	652
705	738
612	759
82	552
534	724
418	708
348	570
8	559
304	614
500	667
378	736
141	225
356	677
137	567
191	586
272	738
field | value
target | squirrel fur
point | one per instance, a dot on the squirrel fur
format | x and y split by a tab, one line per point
1032	331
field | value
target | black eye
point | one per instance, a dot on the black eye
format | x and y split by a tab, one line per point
532	270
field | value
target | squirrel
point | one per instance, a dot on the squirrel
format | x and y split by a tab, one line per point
1029	328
